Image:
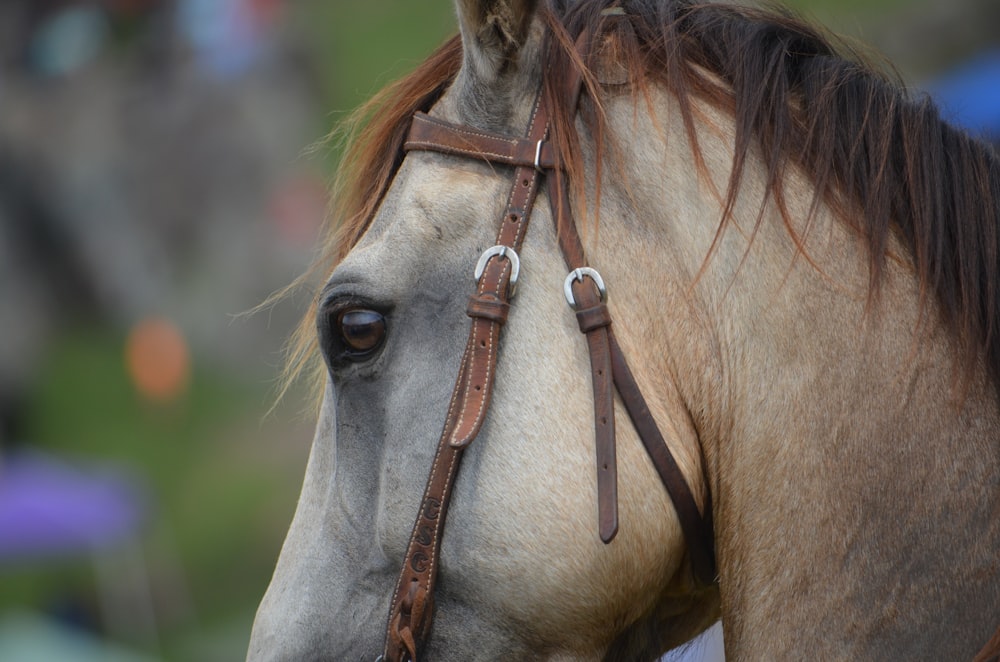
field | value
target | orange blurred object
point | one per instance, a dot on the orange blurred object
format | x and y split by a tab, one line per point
157	359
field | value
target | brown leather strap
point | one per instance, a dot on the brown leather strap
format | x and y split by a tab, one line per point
595	321
592	314
411	611
434	134
991	651
697	529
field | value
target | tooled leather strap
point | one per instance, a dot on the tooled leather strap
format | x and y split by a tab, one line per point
412	606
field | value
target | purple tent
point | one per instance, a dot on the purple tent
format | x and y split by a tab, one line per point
49	507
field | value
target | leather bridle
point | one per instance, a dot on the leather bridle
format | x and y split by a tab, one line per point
532	157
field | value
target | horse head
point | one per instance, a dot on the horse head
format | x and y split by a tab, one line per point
526	490
812	358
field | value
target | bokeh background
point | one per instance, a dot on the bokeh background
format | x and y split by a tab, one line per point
162	172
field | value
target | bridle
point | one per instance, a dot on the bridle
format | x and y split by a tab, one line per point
533	157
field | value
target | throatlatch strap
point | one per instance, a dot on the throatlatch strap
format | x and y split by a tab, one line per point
595	321
411	612
697	528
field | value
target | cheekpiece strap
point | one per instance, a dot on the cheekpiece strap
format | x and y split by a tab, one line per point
412	608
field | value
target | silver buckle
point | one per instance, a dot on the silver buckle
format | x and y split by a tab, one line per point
538	156
577	275
501	251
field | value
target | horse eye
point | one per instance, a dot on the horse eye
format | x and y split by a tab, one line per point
361	331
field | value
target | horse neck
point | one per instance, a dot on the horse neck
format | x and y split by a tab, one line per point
852	475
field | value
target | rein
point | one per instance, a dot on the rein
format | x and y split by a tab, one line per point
533	157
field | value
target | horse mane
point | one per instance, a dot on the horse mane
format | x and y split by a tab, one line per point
882	159
374	136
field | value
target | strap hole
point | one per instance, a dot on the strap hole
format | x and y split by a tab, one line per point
478	387
525	182
514	218
482	343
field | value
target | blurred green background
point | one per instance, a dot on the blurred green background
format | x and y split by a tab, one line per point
158	123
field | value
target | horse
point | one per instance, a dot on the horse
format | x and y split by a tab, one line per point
800	261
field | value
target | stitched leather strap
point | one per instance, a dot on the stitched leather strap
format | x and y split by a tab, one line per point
430	133
411	612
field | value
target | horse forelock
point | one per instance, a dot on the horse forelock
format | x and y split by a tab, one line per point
883	160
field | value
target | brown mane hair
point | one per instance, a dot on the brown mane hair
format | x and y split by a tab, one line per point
885	161
374	134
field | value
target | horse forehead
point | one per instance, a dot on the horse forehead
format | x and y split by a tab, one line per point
434	196
433	202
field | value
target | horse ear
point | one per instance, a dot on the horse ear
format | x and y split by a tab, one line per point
493	31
